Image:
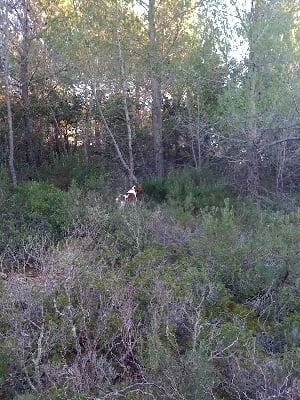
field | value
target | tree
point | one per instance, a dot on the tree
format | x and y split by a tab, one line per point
24	19
6	78
156	91
27	80
257	107
199	75
101	56
100	36
124	87
179	34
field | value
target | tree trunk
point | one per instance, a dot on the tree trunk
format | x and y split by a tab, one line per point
7	99
253	170
109	131
281	156
155	76
194	131
125	104
251	124
24	84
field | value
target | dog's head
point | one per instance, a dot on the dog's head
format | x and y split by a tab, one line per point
136	188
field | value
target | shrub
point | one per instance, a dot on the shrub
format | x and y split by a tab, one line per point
33	214
155	189
39	205
67	169
189	189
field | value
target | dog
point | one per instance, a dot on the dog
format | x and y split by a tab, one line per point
129	196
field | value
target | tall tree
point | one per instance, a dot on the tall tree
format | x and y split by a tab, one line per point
24	18
251	127
156	90
168	25
98	43
256	105
124	88
6	79
199	75
25	67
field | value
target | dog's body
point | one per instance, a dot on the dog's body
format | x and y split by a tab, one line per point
129	196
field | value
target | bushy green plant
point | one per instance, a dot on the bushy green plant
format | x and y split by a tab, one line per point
155	189
33	214
189	189
38	204
67	169
247	260
172	295
286	333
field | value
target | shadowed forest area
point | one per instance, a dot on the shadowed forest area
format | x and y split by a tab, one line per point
192	291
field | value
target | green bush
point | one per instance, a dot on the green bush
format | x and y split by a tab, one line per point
38	204
155	189
178	293
64	171
189	189
32	212
247	260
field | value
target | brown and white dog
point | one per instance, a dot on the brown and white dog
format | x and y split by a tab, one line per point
129	196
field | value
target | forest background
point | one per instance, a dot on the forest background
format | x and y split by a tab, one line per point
194	292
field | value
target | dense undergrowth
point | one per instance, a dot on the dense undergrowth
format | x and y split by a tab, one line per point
192	294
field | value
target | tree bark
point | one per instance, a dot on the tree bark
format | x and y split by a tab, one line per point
251	124
10	135
125	103
281	157
24	84
156	92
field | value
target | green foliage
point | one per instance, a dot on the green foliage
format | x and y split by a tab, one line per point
155	189
160	294
33	215
287	332
3	370
190	189
67	169
39	206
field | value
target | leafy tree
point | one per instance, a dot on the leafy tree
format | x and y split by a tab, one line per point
258	109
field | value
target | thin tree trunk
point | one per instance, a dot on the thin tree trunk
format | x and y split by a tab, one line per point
108	130
11	166
125	104
57	139
124	164
252	129
281	156
10	136
24	84
155	75
87	132
191	130
198	135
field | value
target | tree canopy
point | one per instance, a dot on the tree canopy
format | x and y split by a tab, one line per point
149	86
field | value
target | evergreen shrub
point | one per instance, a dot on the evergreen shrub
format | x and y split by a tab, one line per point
67	169
189	296
190	189
39	204
33	213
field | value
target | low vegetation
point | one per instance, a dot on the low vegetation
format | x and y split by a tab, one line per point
192	294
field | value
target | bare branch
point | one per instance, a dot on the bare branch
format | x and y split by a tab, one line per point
275	142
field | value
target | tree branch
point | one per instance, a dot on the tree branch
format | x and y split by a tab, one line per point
275	142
